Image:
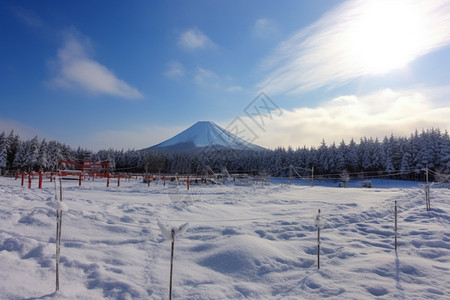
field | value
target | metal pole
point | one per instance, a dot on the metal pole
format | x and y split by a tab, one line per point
318	240
395	228
58	235
290	174
171	264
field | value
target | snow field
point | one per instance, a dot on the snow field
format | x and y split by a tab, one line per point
243	242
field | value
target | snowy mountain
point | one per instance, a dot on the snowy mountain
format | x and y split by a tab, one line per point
204	136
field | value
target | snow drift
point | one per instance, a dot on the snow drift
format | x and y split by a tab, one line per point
243	242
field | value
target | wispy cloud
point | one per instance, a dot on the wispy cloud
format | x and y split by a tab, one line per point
264	27
28	17
23	130
209	79
75	69
175	70
194	39
234	88
133	138
354	39
206	77
376	115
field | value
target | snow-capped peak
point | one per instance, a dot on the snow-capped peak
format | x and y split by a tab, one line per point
205	134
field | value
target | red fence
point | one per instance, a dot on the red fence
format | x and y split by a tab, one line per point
80	176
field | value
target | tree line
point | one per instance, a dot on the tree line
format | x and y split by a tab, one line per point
404	157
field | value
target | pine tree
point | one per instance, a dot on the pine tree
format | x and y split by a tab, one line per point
3	153
12	146
42	160
351	160
20	157
32	154
340	159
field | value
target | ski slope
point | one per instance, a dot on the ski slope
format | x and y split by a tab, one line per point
243	241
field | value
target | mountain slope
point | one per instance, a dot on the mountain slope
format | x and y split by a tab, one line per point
204	136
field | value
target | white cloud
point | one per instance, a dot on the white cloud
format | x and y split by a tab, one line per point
76	70
264	28
193	39
175	70
375	115
357	38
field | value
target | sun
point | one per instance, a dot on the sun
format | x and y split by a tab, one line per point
385	36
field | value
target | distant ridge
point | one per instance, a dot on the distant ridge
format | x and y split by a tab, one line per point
204	136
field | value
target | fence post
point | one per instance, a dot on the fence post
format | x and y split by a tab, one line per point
29	180
118	180
187	183
23	178
40	179
79	180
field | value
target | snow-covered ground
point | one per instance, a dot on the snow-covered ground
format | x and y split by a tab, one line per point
252	241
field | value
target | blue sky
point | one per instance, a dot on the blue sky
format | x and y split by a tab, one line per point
130	74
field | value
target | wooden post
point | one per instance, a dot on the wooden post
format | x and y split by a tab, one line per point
118	180
40	179
79	179
395	225
312	176
29	180
23	178
187	183
171	263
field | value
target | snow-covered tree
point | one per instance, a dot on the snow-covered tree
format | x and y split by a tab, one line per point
42	160
12	146
3	152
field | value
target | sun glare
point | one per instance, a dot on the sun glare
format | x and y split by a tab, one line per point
385	36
